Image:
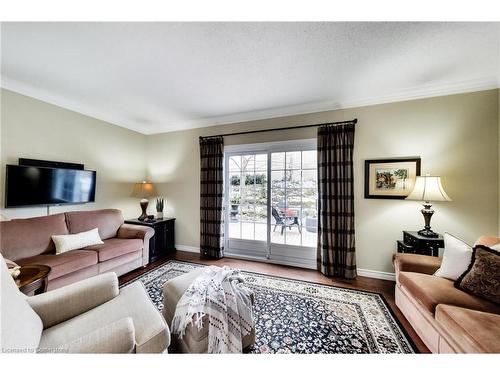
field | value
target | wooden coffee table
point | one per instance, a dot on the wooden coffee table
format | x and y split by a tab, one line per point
33	278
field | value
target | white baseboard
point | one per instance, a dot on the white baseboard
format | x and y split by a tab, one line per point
377	274
190	249
361	272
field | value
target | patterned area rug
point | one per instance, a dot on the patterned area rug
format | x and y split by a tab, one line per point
294	316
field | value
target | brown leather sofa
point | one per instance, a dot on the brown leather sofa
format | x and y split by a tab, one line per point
28	241
447	319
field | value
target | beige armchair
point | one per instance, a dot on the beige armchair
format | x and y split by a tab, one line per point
90	316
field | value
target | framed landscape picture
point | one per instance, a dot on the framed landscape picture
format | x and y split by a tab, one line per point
390	178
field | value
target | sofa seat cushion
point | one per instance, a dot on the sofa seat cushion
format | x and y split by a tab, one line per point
431	291
63	264
115	247
473	331
151	332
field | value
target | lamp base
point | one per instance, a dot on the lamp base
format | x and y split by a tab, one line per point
144	206
427	211
428	233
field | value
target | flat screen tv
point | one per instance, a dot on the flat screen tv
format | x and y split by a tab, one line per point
39	186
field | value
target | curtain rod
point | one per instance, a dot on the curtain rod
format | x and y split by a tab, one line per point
287	128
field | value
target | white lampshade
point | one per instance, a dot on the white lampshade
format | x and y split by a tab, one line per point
427	189
143	190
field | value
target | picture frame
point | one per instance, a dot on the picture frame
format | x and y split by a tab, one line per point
390	178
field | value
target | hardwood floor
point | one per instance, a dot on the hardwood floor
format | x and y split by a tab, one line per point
384	287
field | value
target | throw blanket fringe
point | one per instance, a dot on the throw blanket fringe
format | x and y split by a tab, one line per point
219	294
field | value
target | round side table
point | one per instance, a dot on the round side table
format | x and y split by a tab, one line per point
33	278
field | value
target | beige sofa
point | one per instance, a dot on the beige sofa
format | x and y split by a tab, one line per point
90	316
28	241
447	319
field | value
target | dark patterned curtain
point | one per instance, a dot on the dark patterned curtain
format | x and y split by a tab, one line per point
211	197
336	255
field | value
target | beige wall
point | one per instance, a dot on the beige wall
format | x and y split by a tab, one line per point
456	136
34	129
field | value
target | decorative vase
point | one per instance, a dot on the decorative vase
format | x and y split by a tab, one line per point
234	212
312	224
159	215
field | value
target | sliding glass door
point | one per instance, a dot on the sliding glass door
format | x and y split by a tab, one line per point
271	202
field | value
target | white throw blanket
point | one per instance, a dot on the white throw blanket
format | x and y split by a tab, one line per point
218	293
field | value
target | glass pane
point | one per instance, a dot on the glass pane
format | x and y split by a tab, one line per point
277	179
293	197
234	179
261	179
261	214
234	195
309	179
235	163
278	199
261	232
234	229
277	227
293	230
310	228
309	159
260	196
249	178
293	160
247	231
247	212
261	162
293	183
252	195
293	179
309	197
277	160
248	163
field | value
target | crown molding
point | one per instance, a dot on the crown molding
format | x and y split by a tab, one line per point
65	103
414	93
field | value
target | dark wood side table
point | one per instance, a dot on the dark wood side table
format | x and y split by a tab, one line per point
163	242
416	244
34	278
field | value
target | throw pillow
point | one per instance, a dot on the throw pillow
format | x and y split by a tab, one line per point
67	242
456	258
482	277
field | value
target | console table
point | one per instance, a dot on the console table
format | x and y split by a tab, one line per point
163	241
416	244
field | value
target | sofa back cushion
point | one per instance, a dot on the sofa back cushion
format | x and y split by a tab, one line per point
23	238
108	222
21	326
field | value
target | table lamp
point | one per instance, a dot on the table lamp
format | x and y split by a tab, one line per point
427	189
143	190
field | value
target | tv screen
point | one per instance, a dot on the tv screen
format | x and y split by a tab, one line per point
37	186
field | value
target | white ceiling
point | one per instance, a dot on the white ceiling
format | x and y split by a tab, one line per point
159	77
